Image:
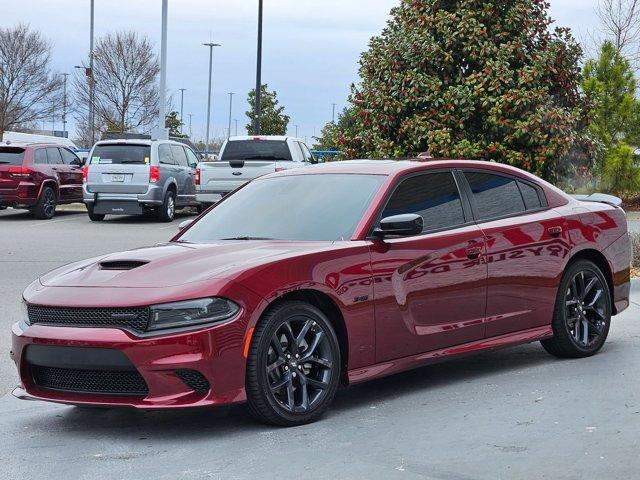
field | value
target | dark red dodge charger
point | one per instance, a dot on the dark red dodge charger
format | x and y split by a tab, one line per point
309	279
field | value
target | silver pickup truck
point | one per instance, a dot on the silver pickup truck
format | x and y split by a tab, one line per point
242	159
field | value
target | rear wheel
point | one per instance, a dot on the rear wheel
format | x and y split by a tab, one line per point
45	208
582	315
167	211
293	368
94	217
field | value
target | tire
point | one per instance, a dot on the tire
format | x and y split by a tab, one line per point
582	314
94	217
167	211
278	383
45	207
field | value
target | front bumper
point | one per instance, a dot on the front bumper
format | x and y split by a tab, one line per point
215	352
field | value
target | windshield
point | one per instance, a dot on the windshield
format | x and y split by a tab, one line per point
256	150
11	155
130	153
297	207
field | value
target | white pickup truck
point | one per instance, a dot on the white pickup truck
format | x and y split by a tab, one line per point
244	158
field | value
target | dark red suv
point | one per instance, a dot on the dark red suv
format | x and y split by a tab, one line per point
38	177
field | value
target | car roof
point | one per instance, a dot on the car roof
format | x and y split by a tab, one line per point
281	138
31	144
393	167
397	168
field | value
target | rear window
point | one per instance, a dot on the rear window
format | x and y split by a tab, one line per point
131	153
256	150
11	156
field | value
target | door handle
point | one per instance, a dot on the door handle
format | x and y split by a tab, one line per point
473	252
555	231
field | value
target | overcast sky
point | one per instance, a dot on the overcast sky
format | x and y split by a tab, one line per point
311	47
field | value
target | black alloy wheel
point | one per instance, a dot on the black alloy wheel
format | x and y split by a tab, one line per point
293	368
583	312
45	208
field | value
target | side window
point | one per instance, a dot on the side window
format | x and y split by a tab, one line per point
164	154
495	196
179	156
53	154
307	156
41	157
69	157
192	158
434	196
530	196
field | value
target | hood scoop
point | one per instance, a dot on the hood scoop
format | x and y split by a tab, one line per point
122	265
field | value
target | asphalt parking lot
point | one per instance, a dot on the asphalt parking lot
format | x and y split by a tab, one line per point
512	414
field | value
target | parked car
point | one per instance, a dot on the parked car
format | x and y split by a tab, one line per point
242	159
39	177
304	280
133	177
23	137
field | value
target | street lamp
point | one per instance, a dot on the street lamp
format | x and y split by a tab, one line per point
236	120
258	109
190	117
296	130
333	115
231	94
210	45
64	103
182	90
162	108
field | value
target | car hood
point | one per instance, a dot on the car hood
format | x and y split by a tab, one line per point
172	264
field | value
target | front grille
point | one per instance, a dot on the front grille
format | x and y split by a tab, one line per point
134	318
110	382
194	380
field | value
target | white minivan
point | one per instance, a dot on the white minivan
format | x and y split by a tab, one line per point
244	158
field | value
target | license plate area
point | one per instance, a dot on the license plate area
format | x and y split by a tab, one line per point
117	177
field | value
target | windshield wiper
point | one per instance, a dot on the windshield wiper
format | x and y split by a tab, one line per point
248	238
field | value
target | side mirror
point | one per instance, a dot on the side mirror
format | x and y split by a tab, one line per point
404	225
185	224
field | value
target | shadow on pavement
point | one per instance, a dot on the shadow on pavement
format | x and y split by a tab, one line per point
211	422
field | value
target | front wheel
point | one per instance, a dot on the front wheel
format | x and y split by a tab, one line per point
582	314
293	367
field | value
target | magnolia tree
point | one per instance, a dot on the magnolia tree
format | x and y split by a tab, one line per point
470	79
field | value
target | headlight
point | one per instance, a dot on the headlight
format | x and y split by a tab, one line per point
191	313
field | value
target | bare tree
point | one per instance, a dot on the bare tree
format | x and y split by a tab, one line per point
620	23
29	91
126	89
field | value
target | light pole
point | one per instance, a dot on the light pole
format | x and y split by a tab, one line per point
231	94
333	114
236	120
182	90
296	130
190	117
64	103
92	88
162	108
258	107
210	45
